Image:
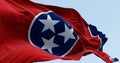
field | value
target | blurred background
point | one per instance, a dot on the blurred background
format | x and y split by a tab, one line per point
105	14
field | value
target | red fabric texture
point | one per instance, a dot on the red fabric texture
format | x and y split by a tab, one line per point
15	18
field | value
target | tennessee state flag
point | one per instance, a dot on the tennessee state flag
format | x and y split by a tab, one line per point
31	32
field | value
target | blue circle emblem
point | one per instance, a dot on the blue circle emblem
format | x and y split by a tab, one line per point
52	33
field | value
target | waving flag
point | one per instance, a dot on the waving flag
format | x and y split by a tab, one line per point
33	32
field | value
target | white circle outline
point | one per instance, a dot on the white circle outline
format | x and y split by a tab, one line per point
39	47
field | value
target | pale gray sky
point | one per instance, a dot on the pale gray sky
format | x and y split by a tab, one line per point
105	14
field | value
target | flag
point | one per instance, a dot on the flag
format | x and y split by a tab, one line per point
32	32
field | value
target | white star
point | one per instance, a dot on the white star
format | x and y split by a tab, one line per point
48	44
49	23
68	33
